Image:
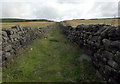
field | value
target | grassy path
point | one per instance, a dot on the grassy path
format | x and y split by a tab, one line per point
52	58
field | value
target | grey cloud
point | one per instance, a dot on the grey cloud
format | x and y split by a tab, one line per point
19	10
104	9
109	9
46	12
119	9
71	1
59	9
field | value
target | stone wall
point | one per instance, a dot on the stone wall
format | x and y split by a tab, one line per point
17	37
102	44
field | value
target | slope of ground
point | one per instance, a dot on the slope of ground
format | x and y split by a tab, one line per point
74	23
21	20
31	24
52	58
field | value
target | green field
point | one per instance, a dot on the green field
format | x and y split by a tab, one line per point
30	24
51	58
22	20
7	23
74	23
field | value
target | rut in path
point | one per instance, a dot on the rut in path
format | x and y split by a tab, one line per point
51	58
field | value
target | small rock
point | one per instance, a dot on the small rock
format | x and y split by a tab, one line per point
40	77
31	49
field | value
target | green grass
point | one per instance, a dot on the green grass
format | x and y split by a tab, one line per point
52	58
74	23
21	20
24	24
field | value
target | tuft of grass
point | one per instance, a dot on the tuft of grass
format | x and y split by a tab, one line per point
53	40
50	61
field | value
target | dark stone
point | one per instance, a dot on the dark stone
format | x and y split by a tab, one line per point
102	44
113	64
106	43
115	45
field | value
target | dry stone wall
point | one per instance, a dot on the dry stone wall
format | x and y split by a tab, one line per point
17	37
102	44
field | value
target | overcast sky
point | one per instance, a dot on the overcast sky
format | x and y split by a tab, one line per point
58	9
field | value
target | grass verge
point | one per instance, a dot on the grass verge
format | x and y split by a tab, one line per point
52	58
